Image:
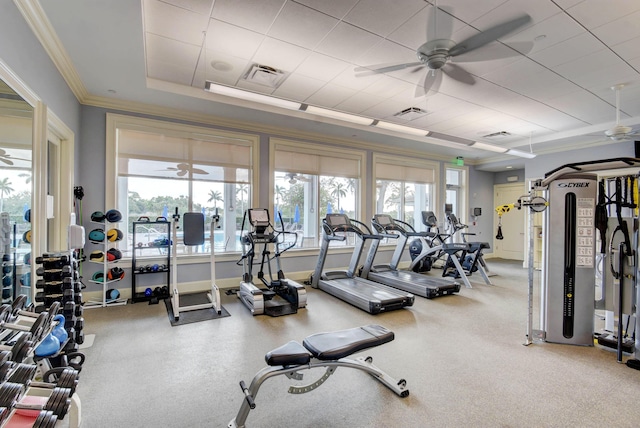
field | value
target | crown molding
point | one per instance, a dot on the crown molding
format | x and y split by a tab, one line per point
39	23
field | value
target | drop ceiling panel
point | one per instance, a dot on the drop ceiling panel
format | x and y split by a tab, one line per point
385	109
281	55
198	6
628	49
469	11
347	42
322	67
232	40
568	50
170	72
359	102
330	95
301	25
389	86
349	79
336	8
620	30
297	87
171	51
175	23
594	13
584	105
369	15
555	29
602	69
255	15
221	68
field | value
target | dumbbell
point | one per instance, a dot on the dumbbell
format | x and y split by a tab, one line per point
19	346
61	377
13	395
37	329
52	258
23	316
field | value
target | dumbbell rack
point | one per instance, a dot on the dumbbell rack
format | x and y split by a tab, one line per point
58	281
105	265
140	250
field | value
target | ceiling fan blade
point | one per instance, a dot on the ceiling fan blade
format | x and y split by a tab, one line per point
496	51
182	173
5	160
384	68
429	83
458	73
199	171
439	23
488	36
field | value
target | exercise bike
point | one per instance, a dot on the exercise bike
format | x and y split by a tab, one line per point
278	295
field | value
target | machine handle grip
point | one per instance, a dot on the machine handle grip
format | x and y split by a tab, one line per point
247	395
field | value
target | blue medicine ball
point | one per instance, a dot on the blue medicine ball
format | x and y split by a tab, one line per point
6	281
25	279
113	216
96	235
148	292
112	294
27	215
97	216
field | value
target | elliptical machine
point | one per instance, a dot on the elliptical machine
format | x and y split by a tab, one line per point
279	296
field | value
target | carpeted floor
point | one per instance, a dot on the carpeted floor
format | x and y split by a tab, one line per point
462	357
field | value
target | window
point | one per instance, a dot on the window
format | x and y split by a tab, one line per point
455	192
310	182
162	166
405	188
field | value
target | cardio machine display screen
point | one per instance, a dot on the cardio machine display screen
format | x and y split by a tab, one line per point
258	216
336	220
383	219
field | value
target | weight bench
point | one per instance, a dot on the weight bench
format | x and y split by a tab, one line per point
320	350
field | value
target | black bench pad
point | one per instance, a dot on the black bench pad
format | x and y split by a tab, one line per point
339	344
454	247
474	246
289	354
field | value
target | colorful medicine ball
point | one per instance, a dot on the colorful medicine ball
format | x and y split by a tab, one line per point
26	237
113	216
112	294
98	277
96	256
97	216
114	254
96	235
114	235
27	215
115	273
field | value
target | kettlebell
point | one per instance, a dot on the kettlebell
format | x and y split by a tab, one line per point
49	346
59	331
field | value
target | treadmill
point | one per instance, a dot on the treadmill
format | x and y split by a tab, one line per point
389	274
359	292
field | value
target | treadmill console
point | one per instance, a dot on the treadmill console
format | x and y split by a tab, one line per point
383	219
429	219
337	220
259	219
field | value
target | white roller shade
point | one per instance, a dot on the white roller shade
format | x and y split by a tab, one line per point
410	174
316	164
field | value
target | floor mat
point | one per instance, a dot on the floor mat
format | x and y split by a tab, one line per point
190	317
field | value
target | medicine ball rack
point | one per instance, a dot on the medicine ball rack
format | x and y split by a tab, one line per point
101	276
140	253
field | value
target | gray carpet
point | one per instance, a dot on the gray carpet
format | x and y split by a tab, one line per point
462	357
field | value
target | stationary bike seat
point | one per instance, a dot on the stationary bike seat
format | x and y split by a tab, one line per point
339	344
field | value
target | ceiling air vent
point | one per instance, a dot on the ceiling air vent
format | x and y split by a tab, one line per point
410	113
264	75
497	135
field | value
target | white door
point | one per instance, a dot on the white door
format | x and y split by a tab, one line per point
512	246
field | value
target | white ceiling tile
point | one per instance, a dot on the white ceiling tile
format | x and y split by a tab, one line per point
349	79
584	105
359	102
388	53
594	13
565	4
468	11
198	6
620	30
599	70
330	95
628	49
175	23
347	42
385	109
336	8
255	15
169	72
389	86
281	55
569	50
555	29
383	20
227	71
232	40
171	51
301	25
298	88
254	87
322	67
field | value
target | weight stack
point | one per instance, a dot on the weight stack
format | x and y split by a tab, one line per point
568	292
59	281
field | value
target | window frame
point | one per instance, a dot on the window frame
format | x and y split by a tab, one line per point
118	121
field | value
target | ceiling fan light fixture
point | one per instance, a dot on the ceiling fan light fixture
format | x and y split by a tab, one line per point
250	96
402	128
489	147
521	154
333	114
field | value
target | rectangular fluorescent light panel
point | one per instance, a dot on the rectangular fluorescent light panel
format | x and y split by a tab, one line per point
250	96
401	128
339	115
521	154
488	147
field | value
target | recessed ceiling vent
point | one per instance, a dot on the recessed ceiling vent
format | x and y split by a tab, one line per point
264	75
497	135
411	113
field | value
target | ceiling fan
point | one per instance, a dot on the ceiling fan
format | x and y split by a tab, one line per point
438	51
294	178
620	132
7	158
185	168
